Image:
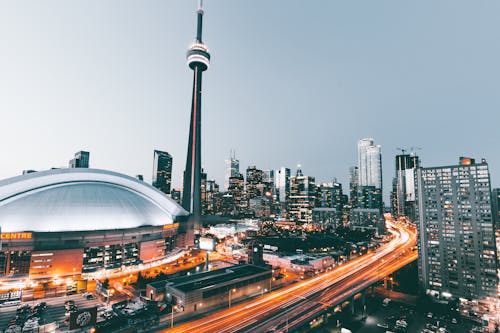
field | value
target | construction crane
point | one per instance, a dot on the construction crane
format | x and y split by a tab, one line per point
413	150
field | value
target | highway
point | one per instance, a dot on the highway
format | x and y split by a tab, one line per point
283	309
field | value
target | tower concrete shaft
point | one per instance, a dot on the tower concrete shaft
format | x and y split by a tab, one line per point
198	59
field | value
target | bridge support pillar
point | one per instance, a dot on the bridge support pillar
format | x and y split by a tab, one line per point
363	302
351	306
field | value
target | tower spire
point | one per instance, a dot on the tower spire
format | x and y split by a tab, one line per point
200	22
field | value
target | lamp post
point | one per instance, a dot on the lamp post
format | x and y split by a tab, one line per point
230	293
172	317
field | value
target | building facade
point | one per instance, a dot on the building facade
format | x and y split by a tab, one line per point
302	197
369	163
162	171
456	235
255	187
404	196
282	183
353	186
495	205
81	160
232	169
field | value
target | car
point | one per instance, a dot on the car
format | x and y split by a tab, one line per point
101	308
108	314
68	304
382	325
429	315
454	320
11	303
90	296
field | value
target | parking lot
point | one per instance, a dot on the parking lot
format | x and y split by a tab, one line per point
382	318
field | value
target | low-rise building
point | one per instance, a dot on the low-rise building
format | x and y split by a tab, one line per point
201	291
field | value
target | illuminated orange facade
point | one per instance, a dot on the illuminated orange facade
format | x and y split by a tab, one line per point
43	255
16	235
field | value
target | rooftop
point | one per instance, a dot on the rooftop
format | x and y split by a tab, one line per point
210	279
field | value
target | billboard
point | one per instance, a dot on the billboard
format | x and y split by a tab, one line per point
82	318
207	244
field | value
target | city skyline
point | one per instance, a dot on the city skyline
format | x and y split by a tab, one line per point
56	119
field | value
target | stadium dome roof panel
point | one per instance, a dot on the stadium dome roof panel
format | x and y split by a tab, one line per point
82	199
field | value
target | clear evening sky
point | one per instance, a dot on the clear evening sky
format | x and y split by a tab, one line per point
290	82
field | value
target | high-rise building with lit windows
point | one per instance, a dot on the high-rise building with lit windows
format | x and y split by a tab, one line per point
456	234
254	182
353	186
495	205
302	197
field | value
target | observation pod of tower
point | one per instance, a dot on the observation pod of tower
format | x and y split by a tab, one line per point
198	57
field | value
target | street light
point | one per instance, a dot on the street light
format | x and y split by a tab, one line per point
172	318
230	292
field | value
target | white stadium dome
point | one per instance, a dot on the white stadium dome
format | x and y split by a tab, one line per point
82	199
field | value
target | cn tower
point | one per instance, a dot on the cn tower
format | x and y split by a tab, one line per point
198	59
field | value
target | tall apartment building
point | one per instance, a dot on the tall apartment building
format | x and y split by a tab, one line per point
495	206
456	235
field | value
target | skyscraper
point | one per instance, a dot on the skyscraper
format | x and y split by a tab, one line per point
495	205
302	197
495	211
404	197
198	60
232	169
81	160
353	186
254	182
456	237
369	163
282	183
330	195
162	171
237	193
